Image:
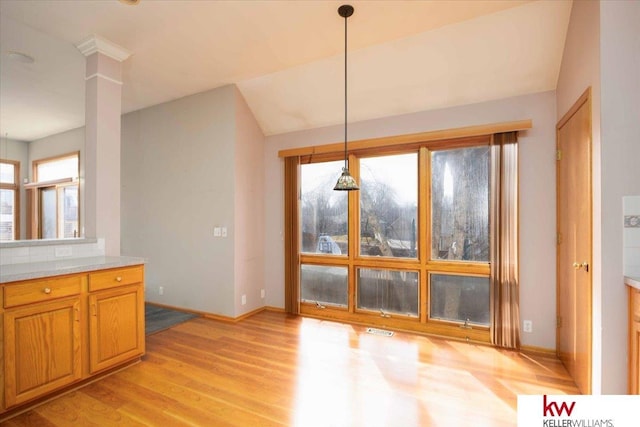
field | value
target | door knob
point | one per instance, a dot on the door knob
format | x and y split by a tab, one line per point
578	265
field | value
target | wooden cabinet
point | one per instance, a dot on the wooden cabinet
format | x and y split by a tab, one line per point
42	349
64	330
41	337
634	340
116	324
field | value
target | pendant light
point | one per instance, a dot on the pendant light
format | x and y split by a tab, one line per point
346	182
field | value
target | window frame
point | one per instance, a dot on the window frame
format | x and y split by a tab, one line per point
422	264
34	227
424	143
56	158
15	187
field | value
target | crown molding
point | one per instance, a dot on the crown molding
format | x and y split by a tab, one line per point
93	44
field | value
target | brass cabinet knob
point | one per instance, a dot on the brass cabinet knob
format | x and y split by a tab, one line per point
47	291
118	279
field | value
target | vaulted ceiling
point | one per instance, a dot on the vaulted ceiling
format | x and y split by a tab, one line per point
286	57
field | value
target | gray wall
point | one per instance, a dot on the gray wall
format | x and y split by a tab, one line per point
177	185
602	50
537	193
249	209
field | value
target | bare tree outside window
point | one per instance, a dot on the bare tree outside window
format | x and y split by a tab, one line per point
323	211
389	205
460	204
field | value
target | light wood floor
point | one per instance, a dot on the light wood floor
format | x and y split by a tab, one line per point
277	370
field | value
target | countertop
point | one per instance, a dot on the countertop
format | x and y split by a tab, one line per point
634	282
36	270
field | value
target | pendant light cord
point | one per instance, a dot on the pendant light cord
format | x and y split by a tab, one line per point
346	162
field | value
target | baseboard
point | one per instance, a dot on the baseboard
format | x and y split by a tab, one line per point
542	351
219	317
232	319
172	307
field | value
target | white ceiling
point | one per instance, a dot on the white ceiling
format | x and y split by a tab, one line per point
285	56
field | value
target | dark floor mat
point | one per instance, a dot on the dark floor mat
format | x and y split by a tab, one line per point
160	318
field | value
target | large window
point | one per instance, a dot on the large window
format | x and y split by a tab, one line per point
410	249
9	197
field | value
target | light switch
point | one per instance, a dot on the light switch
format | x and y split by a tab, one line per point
224	231
217	232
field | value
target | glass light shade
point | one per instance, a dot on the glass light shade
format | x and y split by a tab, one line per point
346	182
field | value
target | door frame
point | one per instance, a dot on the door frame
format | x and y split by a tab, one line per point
585	98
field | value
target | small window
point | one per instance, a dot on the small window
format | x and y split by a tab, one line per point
324	285
9	206
66	166
460	298
8	171
388	291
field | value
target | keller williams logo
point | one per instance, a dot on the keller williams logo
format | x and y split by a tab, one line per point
552	409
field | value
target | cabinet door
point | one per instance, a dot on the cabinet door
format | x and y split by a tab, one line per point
116	331
42	349
634	371
634	341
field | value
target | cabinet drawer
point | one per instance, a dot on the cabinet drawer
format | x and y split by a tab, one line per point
41	290
635	295
107	279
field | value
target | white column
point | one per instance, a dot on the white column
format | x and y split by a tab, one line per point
103	107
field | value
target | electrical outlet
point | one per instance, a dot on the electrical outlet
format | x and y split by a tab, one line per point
217	232
262	293
160	290
244	299
224	231
527	326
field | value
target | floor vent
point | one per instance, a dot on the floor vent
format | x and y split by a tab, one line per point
380	332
